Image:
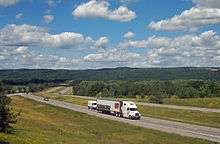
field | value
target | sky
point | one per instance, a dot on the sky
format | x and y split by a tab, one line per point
93	34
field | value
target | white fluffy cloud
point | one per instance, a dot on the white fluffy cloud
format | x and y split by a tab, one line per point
101	42
189	20
112	55
100	9
48	18
148	43
205	12
7	3
129	35
19	16
65	40
187	50
207	3
27	35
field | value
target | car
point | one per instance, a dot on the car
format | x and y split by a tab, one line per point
46	99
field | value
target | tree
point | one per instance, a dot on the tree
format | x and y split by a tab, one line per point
7	116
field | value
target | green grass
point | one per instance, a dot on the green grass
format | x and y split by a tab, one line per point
197	102
73	100
42	124
186	116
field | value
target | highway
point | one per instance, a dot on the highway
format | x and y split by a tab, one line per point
208	133
164	105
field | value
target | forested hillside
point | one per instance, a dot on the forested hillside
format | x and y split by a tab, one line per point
25	76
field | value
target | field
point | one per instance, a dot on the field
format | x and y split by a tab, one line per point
197	102
40	124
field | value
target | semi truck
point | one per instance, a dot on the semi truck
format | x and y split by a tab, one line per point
92	105
125	109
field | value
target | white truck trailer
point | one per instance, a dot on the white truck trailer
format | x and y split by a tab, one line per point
126	109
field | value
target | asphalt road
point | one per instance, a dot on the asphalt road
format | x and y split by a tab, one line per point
166	106
208	133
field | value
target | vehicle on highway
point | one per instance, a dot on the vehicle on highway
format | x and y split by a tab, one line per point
126	109
92	105
46	99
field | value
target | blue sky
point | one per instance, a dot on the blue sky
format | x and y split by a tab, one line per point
76	34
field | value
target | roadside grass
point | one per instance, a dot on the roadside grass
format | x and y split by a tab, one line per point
197	102
53	89
73	100
41	124
187	116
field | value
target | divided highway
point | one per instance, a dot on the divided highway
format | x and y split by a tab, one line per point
166	106
208	133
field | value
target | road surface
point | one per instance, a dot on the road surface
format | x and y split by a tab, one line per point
165	106
208	133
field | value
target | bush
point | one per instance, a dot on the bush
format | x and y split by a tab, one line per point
7	116
154	99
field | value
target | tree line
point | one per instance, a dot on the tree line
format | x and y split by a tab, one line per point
40	76
154	91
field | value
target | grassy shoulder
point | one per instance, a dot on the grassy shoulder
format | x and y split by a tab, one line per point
42	123
197	102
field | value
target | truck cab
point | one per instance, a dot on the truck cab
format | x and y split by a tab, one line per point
92	105
129	110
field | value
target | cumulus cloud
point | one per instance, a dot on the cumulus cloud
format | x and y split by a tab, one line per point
129	35
112	55
19	16
148	43
28	35
189	20
100	9
65	40
7	3
101	42
21	49
207	3
187	50
48	18
203	13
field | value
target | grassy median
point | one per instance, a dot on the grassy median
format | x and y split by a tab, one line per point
187	116
197	102
41	124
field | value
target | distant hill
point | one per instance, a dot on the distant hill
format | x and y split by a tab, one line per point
121	73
